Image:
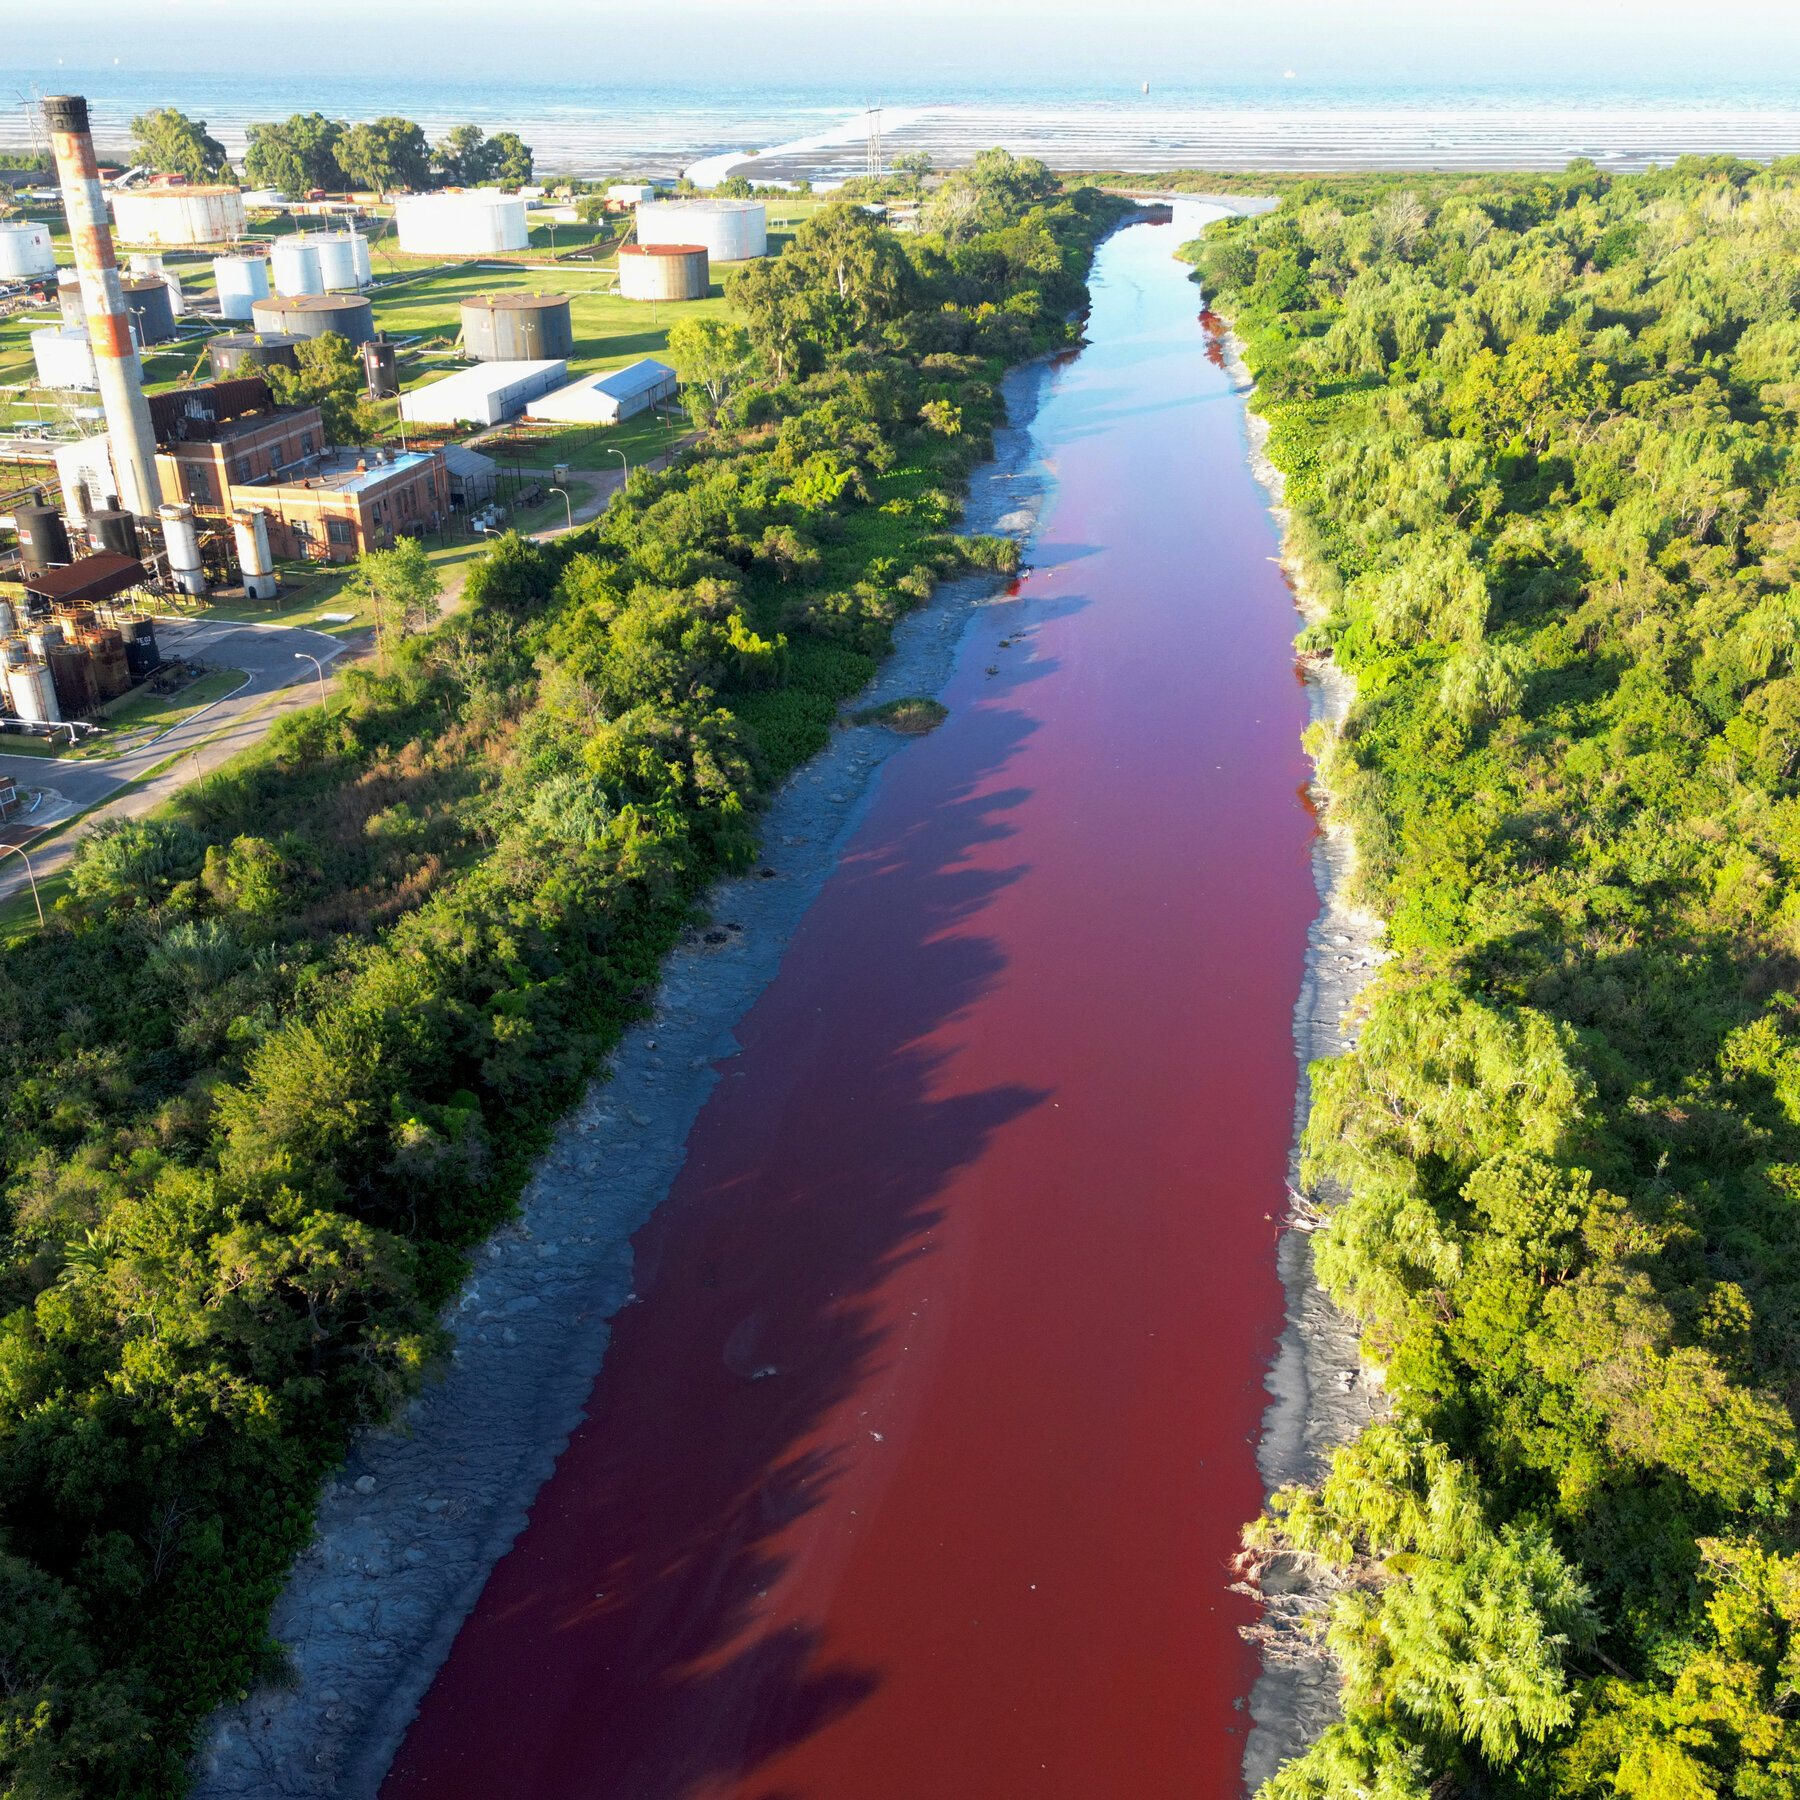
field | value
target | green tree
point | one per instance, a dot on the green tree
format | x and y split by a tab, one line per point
463	157
508	159
401	588
711	355
173	144
330	377
296	156
386	154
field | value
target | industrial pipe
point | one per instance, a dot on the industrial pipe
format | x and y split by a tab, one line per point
108	321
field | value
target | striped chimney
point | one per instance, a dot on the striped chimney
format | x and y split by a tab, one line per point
108	323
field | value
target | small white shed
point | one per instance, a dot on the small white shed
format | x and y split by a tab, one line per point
606	399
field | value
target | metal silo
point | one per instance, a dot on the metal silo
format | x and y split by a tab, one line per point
182	541
142	655
111	669
241	281
72	676
246	352
25	251
365	270
313	315
29	687
517	327
70	298
43	543
664	272
381	367
251	530
296	261
147	302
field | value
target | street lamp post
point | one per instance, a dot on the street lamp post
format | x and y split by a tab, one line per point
302	656
567	508
31	875
623	464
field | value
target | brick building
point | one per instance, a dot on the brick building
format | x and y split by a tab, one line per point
228	444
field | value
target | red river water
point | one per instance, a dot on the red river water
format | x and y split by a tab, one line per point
992	1189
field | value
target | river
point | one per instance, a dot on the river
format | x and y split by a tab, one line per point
918	1468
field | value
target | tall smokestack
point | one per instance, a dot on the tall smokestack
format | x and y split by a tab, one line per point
108	323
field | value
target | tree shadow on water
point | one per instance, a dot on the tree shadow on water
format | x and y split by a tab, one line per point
620	1651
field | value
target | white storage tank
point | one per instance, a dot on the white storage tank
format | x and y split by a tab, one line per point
178	215
25	250
478	222
297	271
29	687
365	270
241	282
336	253
729	230
629	193
70	297
63	357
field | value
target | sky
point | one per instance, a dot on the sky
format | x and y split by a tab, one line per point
1008	43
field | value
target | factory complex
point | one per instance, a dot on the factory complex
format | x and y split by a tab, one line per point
164	497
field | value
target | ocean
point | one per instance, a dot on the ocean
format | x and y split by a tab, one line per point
658	130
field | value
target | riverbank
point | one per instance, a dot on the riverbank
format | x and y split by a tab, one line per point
1324	1394
409	1531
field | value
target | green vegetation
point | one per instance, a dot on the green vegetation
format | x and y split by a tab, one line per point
172	143
915	715
311	151
1539	435
287	1050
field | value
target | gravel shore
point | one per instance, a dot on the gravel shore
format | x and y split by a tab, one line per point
1323	1392
411	1526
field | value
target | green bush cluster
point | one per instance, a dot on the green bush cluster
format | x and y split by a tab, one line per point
287	1052
1539	436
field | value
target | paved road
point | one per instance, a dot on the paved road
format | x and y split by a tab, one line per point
268	656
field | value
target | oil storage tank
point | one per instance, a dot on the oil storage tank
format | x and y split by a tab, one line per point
142	653
29	687
113	528
247	352
313	315
517	327
664	272
381	366
43	543
730	230
474	223
296	262
70	298
152	311
25	251
339	267
241	281
178	216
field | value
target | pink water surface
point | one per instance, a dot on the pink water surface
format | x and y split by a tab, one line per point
991	1190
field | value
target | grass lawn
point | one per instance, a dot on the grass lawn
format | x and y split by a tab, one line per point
148	714
527	446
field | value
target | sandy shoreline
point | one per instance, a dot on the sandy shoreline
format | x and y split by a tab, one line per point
410	1528
1323	1392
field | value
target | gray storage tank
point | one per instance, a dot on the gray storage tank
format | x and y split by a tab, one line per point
314	315
43	543
517	327
152	308
247	352
664	272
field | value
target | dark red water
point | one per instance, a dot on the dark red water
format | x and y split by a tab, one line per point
991	1187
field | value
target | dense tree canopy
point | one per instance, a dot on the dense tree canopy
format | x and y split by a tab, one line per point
173	144
1539	436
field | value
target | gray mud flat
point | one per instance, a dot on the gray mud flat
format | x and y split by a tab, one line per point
1323	1392
409	1530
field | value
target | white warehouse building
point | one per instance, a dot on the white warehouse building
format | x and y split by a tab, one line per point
730	230
474	223
485	394
606	399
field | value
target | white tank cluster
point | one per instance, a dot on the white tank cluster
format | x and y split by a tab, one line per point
322	262
477	222
240	281
25	251
728	230
178	216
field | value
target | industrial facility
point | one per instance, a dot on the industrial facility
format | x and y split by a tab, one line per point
313	315
664	272
729	230
484	395
517	327
477	222
606	399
